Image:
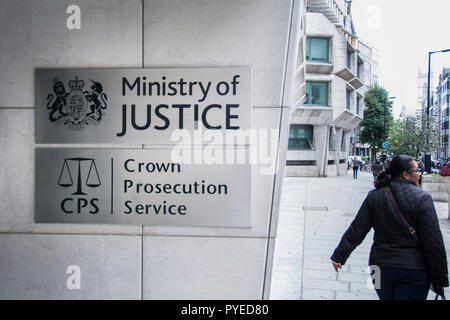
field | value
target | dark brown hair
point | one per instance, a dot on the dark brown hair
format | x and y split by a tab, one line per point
397	166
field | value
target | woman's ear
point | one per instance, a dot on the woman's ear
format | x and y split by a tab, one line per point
405	175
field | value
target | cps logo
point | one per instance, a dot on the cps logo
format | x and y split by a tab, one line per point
79	202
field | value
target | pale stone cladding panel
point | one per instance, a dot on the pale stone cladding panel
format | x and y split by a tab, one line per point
203	267
50	266
34	34
218	34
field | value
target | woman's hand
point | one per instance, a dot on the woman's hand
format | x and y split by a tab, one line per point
336	265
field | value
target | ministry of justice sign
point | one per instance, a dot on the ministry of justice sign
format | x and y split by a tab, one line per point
119	186
139	106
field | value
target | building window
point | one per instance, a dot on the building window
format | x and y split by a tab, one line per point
317	49
358	102
348	99
317	93
349	59
300	137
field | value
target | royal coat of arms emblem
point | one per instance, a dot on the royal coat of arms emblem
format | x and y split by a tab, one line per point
76	108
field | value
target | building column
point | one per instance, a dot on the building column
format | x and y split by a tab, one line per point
347	135
336	139
321	142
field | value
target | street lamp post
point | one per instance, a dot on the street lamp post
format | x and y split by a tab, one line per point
428	155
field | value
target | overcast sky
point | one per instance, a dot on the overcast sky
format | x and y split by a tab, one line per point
404	31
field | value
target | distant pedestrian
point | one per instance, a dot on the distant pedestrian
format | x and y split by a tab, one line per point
356	163
376	168
445	170
409	258
386	163
422	169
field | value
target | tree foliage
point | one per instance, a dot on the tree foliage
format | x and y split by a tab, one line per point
378	110
413	135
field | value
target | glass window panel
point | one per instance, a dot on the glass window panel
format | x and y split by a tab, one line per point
349	60
291	133
308	93
348	100
358	101
308	48
300	137
317	93
317	49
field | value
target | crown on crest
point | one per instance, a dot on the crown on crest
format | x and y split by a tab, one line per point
76	85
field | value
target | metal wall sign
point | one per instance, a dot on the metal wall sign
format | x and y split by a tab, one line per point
139	106
140	186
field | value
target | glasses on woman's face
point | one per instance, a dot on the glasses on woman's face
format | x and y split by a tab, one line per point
416	170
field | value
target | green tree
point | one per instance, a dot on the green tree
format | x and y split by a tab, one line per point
413	135
378	110
395	141
428	134
404	136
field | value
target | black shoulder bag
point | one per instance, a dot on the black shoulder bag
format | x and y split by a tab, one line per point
412	231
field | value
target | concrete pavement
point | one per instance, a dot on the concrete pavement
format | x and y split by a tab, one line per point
315	212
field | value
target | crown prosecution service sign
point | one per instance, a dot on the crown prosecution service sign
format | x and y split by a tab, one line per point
139	106
118	186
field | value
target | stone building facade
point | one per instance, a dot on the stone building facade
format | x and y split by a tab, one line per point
335	71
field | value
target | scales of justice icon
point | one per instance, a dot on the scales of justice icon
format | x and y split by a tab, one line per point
92	180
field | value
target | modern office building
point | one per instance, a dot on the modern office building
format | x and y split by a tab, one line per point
422	85
337	67
369	55
402	114
439	110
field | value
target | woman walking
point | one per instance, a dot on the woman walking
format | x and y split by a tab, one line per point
408	247
376	169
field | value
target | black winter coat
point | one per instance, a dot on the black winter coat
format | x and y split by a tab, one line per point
393	245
